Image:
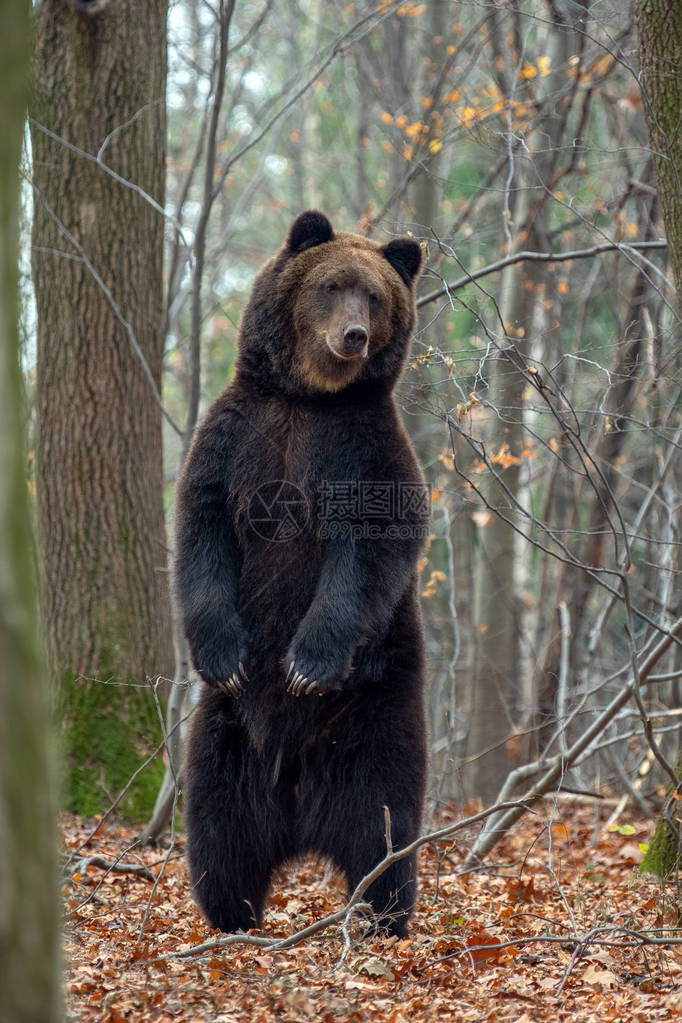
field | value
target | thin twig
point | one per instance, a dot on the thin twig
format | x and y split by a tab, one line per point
113	867
171	846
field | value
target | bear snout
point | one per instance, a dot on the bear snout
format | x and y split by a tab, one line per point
355	339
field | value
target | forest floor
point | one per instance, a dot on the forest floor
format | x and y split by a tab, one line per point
560	927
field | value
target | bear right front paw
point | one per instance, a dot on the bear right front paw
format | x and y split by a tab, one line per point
220	661
234	685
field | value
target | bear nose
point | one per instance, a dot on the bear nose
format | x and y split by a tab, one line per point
355	337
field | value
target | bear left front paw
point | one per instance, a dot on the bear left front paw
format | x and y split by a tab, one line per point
306	674
297	683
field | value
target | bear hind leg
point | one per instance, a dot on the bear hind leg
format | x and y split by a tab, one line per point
237	827
345	788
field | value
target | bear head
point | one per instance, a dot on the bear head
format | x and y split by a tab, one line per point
329	311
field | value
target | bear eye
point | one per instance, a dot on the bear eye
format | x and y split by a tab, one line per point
330	287
374	299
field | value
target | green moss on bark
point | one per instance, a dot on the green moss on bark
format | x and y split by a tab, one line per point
663	855
108	731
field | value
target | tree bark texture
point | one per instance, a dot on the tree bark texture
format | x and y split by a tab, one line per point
29	918
660	57
100	77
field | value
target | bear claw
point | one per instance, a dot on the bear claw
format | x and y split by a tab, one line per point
298	683
229	688
302	686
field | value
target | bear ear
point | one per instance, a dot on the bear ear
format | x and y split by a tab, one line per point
310	229
405	256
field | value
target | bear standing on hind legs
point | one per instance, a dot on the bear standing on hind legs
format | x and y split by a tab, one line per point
301	515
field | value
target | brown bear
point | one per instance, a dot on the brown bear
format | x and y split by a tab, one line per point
301	513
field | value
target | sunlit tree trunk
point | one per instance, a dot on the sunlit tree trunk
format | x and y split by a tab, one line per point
29	919
100	77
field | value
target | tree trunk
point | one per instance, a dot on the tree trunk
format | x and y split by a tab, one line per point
29	918
660	57
498	690
660	54
100	77
494	689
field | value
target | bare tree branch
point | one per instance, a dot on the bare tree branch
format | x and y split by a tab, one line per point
536	257
557	767
355	901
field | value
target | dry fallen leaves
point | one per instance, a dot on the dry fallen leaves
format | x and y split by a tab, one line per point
488	946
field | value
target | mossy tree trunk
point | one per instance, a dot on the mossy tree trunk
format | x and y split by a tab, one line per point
100	76
663	855
29	919
660	56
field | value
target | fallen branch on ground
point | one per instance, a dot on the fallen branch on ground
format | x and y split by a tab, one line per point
355	902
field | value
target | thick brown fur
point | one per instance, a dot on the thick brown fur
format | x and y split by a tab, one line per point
312	718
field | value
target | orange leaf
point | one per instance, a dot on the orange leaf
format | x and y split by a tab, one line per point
478	946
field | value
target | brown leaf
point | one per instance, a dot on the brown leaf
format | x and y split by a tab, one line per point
598	976
520	890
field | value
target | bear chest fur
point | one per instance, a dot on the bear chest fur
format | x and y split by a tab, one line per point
304	451
311	450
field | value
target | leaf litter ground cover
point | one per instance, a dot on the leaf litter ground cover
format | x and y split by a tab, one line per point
559	927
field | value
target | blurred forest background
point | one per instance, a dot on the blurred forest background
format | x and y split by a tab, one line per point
534	149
